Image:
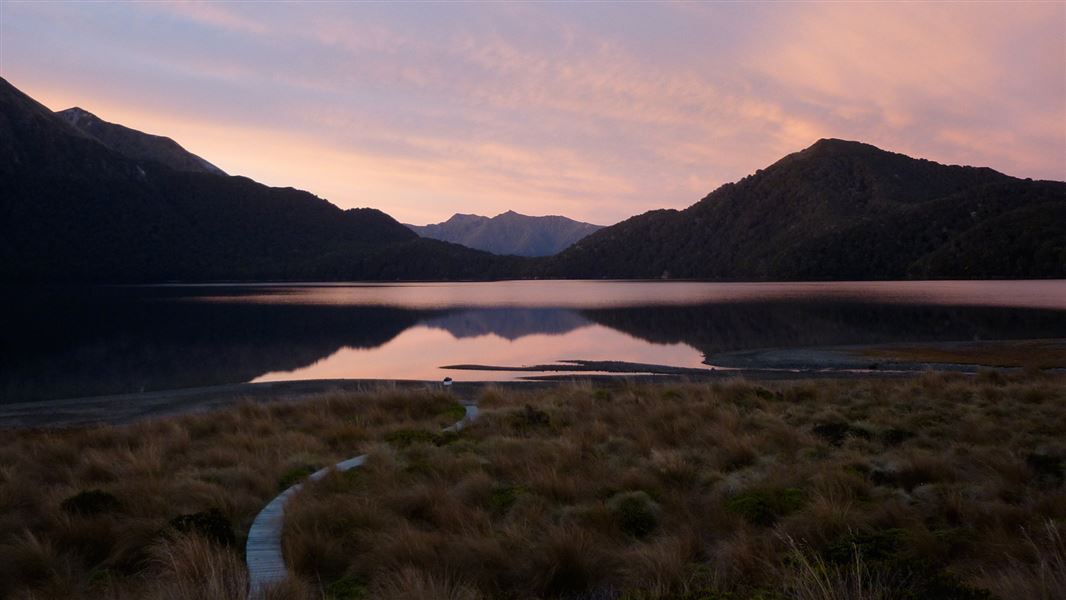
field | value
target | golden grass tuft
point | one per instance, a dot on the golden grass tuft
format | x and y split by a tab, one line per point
937	486
232	460
726	490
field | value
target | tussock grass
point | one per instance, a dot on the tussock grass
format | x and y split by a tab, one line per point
938	487
941	486
159	509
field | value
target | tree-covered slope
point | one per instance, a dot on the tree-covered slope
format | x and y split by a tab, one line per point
74	210
136	144
842	210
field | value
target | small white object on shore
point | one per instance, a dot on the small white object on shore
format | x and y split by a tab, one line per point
447	381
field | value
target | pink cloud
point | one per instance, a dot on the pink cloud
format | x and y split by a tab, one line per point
596	113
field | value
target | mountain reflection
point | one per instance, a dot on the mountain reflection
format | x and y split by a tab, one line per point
509	323
116	340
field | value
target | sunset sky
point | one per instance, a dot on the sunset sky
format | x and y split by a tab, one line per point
595	111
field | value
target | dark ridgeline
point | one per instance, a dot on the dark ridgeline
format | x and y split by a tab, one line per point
136	144
75	209
509	233
842	211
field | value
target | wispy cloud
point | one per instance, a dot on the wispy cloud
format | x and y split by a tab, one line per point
596	111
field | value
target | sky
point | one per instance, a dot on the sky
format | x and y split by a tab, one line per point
596	111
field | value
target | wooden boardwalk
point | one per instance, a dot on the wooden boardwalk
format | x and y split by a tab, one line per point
266	564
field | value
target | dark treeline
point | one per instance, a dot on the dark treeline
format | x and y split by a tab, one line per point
74	210
842	211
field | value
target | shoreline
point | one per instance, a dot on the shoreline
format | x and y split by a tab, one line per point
882	361
122	409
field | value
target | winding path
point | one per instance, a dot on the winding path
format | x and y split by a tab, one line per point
266	564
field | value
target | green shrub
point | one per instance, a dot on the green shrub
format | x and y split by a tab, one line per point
895	436
211	524
763	393
503	497
871	546
884	477
1048	469
923	581
295	475
637	514
405	438
101	578
348	587
530	418
91	502
836	433
455	412
767	506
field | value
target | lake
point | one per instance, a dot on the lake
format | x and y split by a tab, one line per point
107	340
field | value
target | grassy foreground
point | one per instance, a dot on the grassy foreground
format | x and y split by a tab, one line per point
159	509
935	487
938	487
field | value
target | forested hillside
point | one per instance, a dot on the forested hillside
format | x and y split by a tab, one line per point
842	210
74	210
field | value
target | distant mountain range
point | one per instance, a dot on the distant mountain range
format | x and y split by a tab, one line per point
509	233
137	145
841	210
86	201
74	209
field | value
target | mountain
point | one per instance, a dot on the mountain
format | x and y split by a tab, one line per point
841	210
78	207
73	209
137	145
509	233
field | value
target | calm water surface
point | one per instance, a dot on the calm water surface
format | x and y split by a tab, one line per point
122	339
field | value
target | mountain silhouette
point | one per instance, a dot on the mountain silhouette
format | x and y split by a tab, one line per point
75	210
509	233
137	145
85	201
846	211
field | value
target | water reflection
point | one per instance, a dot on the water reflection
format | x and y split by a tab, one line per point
607	294
508	323
419	352
110	340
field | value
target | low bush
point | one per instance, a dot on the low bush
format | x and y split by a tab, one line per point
211	525
637	514
91	502
765	507
295	475
530	418
503	497
894	436
404	438
871	546
347	588
1049	469
836	433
